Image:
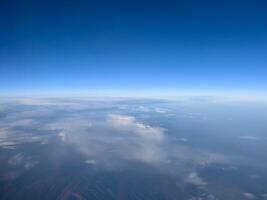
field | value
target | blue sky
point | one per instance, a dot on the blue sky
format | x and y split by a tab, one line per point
133	46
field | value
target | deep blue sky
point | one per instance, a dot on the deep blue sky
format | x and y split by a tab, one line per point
133	45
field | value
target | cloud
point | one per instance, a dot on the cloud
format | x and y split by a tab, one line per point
144	140
71	103
181	139
22	122
111	139
16	131
193	178
129	123
120	137
67	126
162	110
5	141
99	137
248	195
90	162
2	108
124	137
264	196
142	109
22	160
9	138
248	137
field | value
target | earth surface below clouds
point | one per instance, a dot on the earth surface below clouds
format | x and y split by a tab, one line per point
192	149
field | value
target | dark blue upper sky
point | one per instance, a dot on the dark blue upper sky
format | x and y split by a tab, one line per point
133	45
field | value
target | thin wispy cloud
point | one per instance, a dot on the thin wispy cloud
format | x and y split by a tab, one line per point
248	195
20	160
249	137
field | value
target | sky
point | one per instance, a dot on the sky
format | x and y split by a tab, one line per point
133	47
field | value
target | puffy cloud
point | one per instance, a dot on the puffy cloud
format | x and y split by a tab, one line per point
118	136
129	124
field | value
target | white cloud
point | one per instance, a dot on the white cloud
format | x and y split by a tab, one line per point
127	138
5	141
9	139
90	162
145	139
142	109
162	110
193	178
130	124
